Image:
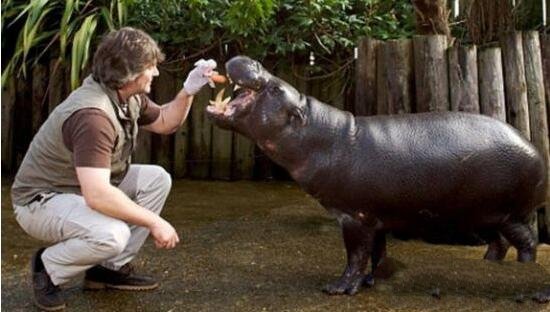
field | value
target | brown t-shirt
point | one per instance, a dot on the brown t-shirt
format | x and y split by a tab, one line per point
89	125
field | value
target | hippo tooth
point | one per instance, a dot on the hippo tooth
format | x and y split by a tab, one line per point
218	102
237	87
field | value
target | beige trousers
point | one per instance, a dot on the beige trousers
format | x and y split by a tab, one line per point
84	237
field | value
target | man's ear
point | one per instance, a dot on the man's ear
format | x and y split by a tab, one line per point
297	114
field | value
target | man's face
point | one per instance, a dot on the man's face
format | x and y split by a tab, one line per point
143	81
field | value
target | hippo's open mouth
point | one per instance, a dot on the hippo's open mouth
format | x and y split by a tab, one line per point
242	98
249	79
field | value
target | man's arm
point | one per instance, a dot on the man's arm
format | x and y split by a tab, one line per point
100	195
172	114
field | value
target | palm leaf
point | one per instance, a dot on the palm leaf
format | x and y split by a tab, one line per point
81	44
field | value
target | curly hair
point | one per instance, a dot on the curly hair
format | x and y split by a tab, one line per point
123	55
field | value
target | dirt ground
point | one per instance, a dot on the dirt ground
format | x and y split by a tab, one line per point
268	246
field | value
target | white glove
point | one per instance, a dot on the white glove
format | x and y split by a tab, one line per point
199	76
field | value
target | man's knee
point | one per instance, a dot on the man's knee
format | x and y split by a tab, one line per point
111	239
164	178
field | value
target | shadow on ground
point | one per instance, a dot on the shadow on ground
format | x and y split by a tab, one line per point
268	246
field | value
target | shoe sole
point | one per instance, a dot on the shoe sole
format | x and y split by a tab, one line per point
91	285
45	308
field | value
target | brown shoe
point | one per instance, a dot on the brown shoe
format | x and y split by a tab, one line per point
47	296
125	278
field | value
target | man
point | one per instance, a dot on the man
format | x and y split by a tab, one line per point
76	187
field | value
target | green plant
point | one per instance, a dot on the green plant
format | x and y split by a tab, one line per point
271	28
72	23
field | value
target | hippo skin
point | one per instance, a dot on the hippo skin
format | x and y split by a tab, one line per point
411	172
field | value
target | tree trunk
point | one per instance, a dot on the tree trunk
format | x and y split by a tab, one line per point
431	17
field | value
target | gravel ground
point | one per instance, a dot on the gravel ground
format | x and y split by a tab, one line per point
268	246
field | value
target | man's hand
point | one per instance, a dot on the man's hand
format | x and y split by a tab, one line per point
199	76
164	234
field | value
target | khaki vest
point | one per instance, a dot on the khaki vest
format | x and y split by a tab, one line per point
48	165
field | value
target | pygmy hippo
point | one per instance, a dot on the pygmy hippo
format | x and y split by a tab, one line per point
411	172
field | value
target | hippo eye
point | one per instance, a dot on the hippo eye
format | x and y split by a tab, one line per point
274	89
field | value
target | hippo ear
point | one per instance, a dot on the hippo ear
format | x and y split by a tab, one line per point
297	114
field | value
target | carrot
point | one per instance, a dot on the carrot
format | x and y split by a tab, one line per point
218	78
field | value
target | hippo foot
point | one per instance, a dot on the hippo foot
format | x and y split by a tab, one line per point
348	284
542	296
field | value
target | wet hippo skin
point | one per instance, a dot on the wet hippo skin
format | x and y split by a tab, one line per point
415	172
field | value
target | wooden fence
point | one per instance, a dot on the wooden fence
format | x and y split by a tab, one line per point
509	81
197	150
505	81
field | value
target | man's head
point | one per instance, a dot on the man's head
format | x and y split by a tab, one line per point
127	56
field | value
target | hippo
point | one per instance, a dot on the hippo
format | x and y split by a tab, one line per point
412	172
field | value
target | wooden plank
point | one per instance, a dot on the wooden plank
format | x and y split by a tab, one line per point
222	141
395	91
243	160
431	73
537	109
39	97
491	83
365	77
181	144
200	151
164	90
56	86
22	132
8	120
336	93
463	79
517	113
142	152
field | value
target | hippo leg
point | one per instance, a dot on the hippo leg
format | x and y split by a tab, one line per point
542	296
497	248
358	240
377	257
522	238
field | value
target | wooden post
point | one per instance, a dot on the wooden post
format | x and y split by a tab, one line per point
463	81
545	45
8	120
395	91
222	141
56	86
200	150
491	83
164	90
514	82
365	77
537	108
39	99
431	75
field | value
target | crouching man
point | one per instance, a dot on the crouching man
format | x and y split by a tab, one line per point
76	188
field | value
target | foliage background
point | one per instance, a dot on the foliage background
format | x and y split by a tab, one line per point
280	30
